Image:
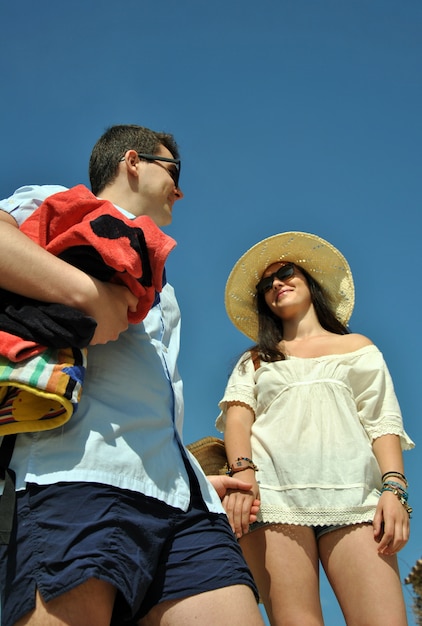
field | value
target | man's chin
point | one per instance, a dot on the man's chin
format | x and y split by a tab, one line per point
166	217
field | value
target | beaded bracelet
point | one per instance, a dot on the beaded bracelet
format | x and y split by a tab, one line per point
241	463
395	475
401	496
397	486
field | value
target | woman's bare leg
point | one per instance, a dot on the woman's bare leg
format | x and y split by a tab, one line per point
284	562
367	584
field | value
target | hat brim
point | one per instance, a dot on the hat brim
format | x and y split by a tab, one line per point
318	257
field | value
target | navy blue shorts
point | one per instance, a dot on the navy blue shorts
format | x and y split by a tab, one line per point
151	552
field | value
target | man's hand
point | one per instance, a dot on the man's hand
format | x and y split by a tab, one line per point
109	307
228	488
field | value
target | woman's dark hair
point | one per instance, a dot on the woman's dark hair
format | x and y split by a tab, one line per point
114	144
270	327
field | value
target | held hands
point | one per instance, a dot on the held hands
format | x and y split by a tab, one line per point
240	501
391	524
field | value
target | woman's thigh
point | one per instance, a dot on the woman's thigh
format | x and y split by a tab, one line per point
367	584
284	562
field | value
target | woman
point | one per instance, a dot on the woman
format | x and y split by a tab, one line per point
311	420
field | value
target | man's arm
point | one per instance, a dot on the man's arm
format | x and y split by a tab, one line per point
29	270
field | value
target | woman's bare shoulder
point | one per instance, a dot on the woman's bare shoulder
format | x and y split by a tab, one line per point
355	341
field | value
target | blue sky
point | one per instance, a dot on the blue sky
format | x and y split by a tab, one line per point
290	115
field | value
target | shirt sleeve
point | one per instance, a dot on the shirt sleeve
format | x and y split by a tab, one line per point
376	401
240	388
26	199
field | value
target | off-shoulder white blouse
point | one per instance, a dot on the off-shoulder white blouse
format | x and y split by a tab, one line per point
315	421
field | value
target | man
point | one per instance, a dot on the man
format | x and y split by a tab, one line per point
116	522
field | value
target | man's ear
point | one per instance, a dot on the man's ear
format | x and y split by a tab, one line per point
131	160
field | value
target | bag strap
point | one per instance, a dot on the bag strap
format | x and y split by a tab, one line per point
8	499
255	359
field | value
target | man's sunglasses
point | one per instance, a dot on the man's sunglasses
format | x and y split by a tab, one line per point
285	272
174	172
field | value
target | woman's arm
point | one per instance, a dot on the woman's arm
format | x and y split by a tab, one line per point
29	270
391	521
237	438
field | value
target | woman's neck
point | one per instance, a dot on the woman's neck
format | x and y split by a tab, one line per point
299	329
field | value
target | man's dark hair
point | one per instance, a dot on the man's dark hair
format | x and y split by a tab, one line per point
114	144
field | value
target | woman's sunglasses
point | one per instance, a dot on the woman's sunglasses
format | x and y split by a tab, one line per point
285	272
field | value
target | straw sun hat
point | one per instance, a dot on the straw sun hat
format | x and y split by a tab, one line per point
318	257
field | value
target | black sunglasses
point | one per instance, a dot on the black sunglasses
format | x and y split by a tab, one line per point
153	158
283	273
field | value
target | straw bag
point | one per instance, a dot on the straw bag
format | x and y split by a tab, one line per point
210	454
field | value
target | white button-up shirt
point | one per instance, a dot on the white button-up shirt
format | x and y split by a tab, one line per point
127	430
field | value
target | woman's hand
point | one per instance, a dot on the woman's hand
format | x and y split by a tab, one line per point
391	521
239	501
391	524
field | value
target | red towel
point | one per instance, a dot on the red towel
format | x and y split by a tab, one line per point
96	237
77	218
